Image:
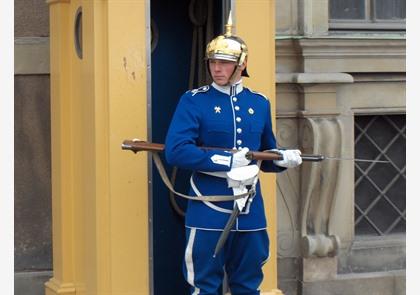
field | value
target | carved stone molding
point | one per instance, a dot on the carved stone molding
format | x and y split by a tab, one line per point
341	54
319	135
352	47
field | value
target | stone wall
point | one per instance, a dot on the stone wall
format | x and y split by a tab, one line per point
324	79
32	224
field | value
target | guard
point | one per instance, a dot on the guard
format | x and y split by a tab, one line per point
227	115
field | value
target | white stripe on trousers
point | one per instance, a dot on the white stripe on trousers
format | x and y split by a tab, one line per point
189	261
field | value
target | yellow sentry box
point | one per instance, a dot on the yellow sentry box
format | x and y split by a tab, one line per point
100	87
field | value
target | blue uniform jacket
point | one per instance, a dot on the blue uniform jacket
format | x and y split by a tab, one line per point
225	117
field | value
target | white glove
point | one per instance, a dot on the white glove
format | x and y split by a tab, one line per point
239	159
291	158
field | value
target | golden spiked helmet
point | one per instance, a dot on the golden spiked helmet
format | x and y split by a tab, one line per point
228	47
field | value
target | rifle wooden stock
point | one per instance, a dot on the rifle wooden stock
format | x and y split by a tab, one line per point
138	146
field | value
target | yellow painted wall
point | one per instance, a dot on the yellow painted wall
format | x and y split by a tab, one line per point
255	23
62	194
128	186
100	193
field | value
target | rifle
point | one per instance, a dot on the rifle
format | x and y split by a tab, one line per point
136	145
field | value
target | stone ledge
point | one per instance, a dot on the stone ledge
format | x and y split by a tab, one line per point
375	255
314	78
31	282
32	55
377	283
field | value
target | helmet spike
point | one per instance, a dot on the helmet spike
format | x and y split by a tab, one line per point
229	25
228	47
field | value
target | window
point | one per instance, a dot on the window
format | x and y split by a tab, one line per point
367	14
380	207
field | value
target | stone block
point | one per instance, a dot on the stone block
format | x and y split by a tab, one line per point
32	159
32	55
31	282
31	18
382	283
318	269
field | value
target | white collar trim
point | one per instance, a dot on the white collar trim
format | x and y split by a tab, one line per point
226	89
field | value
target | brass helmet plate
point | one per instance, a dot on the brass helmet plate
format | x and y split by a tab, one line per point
230	48
227	46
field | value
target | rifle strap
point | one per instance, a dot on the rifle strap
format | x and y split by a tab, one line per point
167	182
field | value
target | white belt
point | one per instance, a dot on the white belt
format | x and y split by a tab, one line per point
221	174
242	174
237	179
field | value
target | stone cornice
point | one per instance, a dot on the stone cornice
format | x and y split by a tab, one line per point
344	54
352	47
293	45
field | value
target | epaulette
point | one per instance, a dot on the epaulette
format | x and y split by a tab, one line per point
204	88
255	92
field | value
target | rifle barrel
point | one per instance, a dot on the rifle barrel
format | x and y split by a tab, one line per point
139	145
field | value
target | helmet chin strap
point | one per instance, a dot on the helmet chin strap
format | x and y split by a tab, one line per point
234	77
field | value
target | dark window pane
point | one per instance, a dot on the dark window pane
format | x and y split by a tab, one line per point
382	175
396	194
363	121
358	174
399	121
365	149
396	152
381	132
347	9
390	9
365	228
380	188
383	215
365	194
399	227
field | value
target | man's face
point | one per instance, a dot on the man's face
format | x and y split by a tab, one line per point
221	70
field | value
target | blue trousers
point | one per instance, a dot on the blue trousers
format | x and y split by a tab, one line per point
242	257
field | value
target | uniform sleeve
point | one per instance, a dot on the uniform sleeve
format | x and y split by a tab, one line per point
181	148
268	142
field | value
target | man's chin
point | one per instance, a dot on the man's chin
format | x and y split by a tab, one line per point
221	83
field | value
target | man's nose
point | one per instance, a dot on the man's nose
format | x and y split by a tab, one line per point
217	66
